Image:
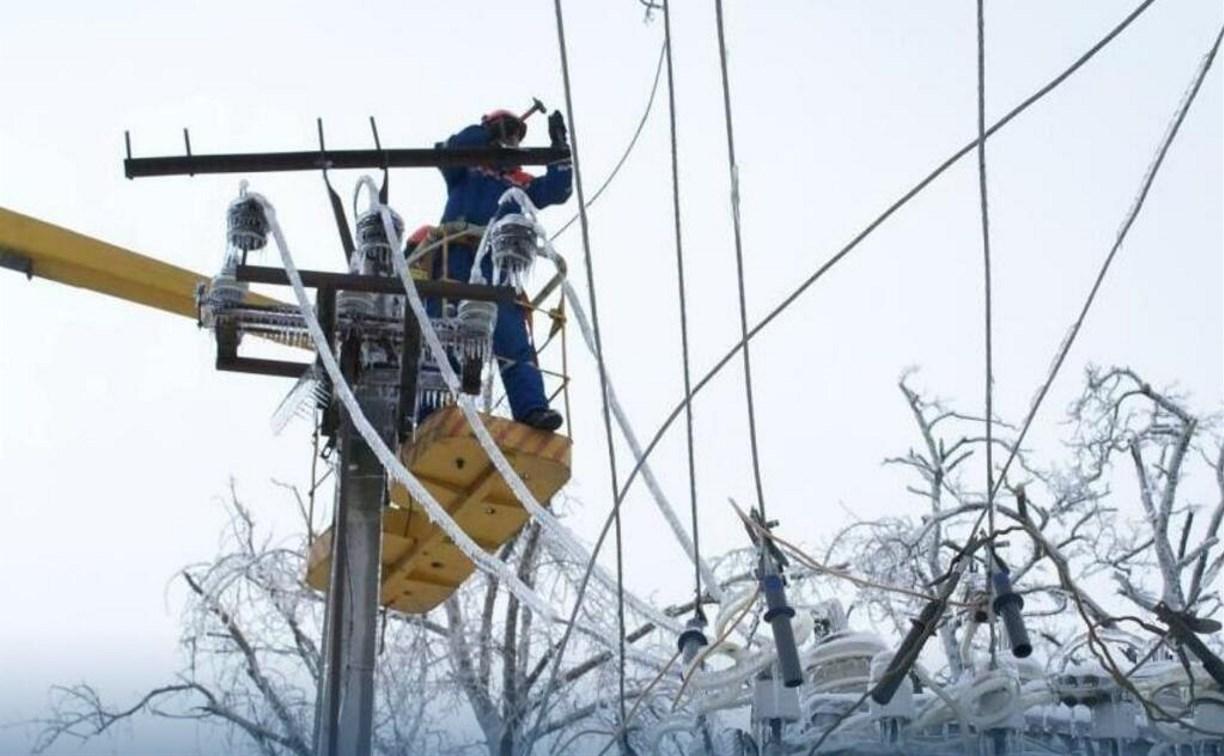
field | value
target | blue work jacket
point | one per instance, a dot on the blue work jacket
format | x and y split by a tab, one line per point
472	193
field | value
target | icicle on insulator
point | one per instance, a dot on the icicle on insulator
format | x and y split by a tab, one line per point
246	224
372	255
476	323
514	242
356	303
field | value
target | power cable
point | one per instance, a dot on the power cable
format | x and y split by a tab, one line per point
1128	221
603	379
628	149
989	328
603	534
739	259
1052	84
879	220
684	342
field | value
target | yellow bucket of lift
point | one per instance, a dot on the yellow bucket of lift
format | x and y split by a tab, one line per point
421	566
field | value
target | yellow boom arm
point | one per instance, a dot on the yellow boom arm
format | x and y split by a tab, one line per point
57	254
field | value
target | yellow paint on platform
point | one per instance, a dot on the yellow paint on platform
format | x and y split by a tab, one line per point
421	567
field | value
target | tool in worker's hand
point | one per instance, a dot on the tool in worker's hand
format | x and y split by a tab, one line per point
536	107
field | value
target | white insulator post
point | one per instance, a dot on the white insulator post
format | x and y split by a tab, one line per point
890	717
773	705
1208	711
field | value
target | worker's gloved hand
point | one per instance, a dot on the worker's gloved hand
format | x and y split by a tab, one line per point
557	133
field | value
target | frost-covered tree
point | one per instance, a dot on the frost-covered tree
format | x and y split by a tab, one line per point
251	659
1104	542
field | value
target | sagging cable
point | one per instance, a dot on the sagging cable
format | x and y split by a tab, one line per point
712	585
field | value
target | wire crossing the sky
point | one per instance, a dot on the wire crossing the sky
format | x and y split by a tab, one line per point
739	259
870	228
603	378
989	327
684	342
1136	206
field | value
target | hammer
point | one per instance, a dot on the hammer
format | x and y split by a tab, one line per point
536	107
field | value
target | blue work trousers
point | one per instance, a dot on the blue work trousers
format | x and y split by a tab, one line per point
519	372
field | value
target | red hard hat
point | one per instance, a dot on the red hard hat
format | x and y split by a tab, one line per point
505	115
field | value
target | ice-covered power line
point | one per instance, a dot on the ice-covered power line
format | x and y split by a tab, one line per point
988	326
599	353
733	169
683	302
1145	186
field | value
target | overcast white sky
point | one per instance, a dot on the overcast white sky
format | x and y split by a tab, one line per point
117	437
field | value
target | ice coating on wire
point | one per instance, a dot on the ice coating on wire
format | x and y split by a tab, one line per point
436	513
707	575
566	539
528	209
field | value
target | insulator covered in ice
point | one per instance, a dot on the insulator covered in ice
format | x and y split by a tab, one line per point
476	322
448	332
1084	684
514	243
372	255
356	304
901	705
246	224
223	292
841	661
432	391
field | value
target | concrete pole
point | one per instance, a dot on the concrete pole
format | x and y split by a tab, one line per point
346	689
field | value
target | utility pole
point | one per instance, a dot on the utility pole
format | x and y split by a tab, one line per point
379	358
346	690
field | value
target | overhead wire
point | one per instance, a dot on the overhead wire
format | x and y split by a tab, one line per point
684	340
599	358
871	227
1128	221
630	437
982	135
643	457
654	88
739	259
1097	647
985	214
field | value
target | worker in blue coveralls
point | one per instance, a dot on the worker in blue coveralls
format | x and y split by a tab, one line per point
472	197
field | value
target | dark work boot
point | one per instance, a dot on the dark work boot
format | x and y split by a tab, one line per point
544	419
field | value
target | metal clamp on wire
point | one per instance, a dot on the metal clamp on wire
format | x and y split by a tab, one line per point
778	613
920	631
1007	604
693	638
1185	627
